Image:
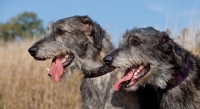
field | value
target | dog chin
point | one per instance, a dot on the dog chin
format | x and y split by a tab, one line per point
131	88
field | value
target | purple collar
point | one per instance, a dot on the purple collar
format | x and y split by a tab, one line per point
180	76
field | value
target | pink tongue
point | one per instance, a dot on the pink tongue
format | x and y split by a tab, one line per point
126	77
56	69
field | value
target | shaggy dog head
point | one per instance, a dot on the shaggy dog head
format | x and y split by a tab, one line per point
70	42
148	57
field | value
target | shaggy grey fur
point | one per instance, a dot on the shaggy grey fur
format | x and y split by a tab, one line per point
148	46
87	44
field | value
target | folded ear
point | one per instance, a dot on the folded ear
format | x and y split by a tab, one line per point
164	38
164	41
92	29
171	49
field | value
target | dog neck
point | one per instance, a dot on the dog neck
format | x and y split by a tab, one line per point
98	72
180	76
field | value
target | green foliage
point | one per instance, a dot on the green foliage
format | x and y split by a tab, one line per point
24	25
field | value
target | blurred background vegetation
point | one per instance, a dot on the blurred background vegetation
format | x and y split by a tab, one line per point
23	83
25	25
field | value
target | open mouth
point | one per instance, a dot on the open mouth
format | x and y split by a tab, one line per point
131	76
58	64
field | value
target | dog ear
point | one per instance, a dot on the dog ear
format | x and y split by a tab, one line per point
92	29
164	38
164	41
86	25
171	49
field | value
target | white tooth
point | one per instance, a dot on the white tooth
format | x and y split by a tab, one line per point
140	67
135	76
66	56
63	60
135	73
47	69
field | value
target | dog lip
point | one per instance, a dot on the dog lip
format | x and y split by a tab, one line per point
69	60
66	59
137	76
144	71
58	64
114	67
39	59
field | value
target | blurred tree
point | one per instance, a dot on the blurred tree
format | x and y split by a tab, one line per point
24	25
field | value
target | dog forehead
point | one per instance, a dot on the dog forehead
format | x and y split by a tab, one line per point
145	31
64	23
68	24
148	32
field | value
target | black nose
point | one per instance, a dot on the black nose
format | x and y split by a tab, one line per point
108	59
33	51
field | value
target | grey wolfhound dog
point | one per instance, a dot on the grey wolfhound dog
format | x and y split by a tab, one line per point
151	57
79	43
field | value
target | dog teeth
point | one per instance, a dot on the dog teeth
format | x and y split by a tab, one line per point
66	56
138	70
141	67
48	69
63	60
136	73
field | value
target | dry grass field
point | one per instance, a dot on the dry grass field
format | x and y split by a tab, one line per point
24	83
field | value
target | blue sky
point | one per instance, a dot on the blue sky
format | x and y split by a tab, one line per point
114	16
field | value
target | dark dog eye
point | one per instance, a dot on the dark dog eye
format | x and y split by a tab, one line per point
59	31
135	41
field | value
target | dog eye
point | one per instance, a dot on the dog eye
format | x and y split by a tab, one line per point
59	31
135	41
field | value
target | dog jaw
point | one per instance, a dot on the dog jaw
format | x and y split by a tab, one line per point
132	76
58	65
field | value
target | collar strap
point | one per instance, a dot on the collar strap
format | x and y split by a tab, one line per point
98	72
180	76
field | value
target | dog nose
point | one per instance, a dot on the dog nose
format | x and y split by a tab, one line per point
108	59
33	51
